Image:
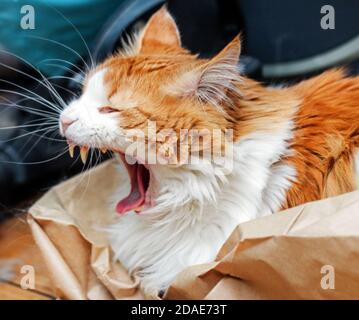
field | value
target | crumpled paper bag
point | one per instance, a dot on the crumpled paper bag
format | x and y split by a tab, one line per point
307	252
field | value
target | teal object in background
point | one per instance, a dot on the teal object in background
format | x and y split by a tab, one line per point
53	20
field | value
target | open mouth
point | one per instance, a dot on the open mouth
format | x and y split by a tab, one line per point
139	177
140	181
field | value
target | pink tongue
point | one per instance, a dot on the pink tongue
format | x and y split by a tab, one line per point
136	197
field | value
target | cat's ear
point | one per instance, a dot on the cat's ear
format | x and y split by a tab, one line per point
161	28
212	81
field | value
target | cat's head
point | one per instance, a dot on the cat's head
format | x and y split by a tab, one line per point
155	96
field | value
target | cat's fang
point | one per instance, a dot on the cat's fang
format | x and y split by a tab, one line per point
71	150
83	154
139	209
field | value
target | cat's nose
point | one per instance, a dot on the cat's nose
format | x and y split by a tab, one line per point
66	121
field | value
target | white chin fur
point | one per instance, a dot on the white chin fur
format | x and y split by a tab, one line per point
197	209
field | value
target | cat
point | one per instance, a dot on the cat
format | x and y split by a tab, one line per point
291	145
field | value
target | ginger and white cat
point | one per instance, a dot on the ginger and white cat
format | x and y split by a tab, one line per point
290	145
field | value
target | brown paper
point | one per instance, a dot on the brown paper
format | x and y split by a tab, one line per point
307	252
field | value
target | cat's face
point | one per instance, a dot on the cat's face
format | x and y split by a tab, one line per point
146	101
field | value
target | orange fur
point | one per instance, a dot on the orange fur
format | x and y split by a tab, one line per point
324	109
326	137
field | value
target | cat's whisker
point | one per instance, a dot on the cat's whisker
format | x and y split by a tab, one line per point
27	90
48	128
40	112
45	83
68	62
20	126
65	89
65	68
36	142
53	106
51	139
62	45
36	162
56	134
43	114
80	35
27	133
65	77
33	99
82	175
89	172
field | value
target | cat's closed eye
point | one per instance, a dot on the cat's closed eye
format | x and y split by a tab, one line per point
107	109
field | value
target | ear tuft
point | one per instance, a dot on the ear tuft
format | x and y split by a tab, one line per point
220	75
161	28
213	81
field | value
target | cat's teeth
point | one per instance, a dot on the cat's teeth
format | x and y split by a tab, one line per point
103	150
71	150
139	209
83	153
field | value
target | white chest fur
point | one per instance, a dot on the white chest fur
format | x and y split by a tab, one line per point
159	246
